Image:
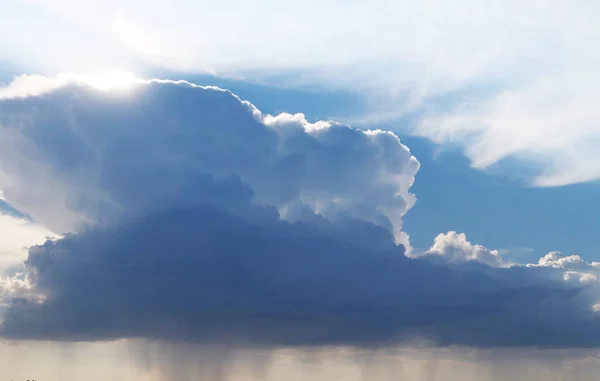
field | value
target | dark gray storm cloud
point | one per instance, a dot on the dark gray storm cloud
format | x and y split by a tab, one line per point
200	274
192	217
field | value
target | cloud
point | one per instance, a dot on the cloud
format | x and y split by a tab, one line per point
190	216
576	269
512	79
549	122
287	161
17	235
24	86
454	248
200	275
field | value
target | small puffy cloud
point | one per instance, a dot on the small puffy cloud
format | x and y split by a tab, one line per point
559	261
191	216
454	247
576	269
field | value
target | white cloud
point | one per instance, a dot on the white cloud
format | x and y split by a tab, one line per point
576	269
455	248
552	121
523	74
33	85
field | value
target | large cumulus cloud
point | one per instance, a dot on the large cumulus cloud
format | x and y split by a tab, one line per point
191	216
93	157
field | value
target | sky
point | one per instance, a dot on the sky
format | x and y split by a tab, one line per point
332	190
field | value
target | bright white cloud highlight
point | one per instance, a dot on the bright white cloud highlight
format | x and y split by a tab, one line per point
16	235
34	85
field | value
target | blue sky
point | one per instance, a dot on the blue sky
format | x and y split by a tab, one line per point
278	190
